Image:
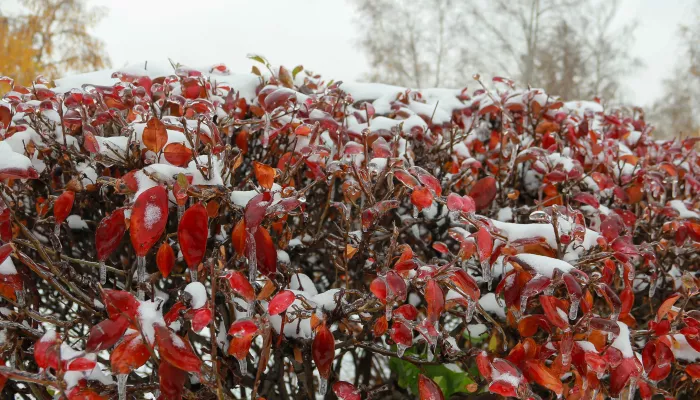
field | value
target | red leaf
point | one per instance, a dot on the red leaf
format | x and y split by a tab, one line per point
172	381
435	299
279	98
281	302
165	259
240	285
657	359
396	287
108	234
620	375
201	318
79	364
484	243
401	334
192	233
407	311
454	202
265	252
149	216
243	332
428	390
90	142
460	203
407	179
323	350
130	354
155	136
120	302
346	391
174	313
465	282
503	387
595	362
105	334
5	116
255	210
378	288
427	179
588	199
5	251
176	351
484	365
47	350
422	197
441	247
483	192
627	299
82	393
63	205
557	318
693	370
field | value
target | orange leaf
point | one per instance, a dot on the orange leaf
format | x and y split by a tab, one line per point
267	290
350	251
635	194
265	174
176	351
537	372
666	306
238	237
165	259
422	197
177	154
155	135
130	354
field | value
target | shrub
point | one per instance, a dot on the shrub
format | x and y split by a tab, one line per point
203	234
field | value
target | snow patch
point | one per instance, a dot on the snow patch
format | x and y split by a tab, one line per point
198	293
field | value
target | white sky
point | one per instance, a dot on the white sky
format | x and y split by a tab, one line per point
320	34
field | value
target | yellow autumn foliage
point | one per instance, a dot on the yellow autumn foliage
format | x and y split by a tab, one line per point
49	37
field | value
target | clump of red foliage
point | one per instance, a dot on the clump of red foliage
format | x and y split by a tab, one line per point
247	239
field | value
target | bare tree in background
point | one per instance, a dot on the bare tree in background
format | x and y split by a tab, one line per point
678	109
514	32
586	55
417	43
569	47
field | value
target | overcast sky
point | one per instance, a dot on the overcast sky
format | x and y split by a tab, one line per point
320	34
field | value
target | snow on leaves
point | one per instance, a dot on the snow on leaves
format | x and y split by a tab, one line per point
381	216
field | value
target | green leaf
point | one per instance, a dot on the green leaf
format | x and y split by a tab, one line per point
256	71
296	70
448	377
182	181
258	58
